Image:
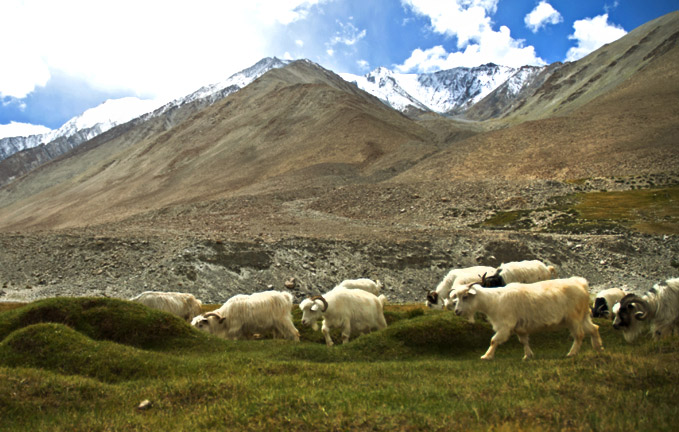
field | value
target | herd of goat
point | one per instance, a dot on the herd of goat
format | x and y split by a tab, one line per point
518	298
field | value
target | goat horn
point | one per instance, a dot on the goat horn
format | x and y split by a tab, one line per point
325	303
214	314
643	313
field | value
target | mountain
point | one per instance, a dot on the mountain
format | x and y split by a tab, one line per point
260	139
444	92
610	114
85	126
235	82
449	92
299	134
563	88
27	153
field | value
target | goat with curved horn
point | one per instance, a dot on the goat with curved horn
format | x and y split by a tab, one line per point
353	310
657	311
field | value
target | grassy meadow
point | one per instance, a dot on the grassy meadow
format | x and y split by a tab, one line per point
86	364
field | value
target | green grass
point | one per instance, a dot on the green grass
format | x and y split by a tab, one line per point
421	373
650	211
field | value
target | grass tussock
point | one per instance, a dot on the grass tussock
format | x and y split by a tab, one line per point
113	320
421	373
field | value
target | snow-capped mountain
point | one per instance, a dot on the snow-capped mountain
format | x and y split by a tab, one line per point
89	124
446	91
222	89
113	112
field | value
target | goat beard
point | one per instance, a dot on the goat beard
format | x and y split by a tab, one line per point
633	330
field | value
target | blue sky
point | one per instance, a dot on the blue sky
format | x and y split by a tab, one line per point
62	57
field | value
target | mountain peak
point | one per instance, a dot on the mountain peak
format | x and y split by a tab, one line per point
444	91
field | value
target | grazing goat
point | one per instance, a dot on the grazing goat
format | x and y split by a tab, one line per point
349	309
519	271
657	310
183	305
243	316
454	279
523	309
373	287
604	302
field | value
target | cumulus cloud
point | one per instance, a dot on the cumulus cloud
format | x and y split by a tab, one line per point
465	19
542	15
15	129
592	33
154	47
477	43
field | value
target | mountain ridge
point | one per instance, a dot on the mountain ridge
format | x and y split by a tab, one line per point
301	127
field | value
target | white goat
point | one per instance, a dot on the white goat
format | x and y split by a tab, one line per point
519	271
373	287
183	305
658	308
455	278
523	309
350	309
604	302
242	316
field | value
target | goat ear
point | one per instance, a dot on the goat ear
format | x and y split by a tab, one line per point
314	308
472	291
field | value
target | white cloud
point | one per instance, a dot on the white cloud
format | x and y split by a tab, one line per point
465	19
299	43
542	15
23	65
348	35
15	129
592	33
153	47
477	43
363	65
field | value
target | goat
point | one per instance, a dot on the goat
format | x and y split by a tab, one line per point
350	309
373	287
657	310
523	309
604	302
242	316
454	278
519	271
183	305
